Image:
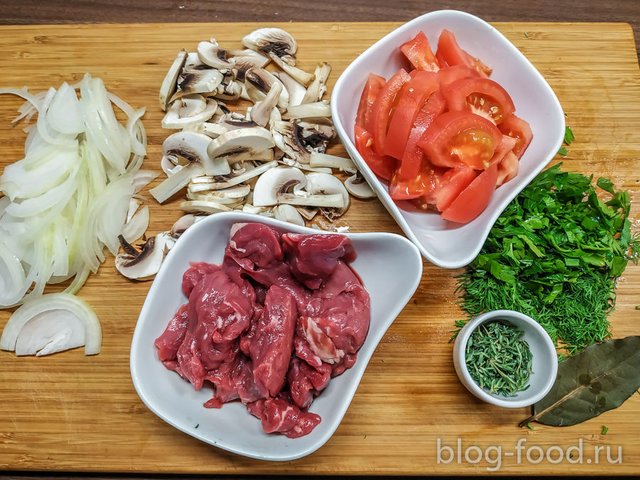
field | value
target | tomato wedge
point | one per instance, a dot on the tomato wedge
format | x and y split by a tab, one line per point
506	145
507	168
413	95
481	96
415	177
382	166
453	182
449	53
369	94
520	130
419	53
382	108
473	200
449	75
456	138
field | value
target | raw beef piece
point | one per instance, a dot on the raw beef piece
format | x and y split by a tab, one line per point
305	382
221	308
256	243
233	380
302	349
194	274
272	343
173	336
189	365
279	416
313	258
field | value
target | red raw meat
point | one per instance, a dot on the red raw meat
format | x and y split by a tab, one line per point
271	326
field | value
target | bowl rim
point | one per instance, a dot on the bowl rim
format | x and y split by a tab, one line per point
381	189
550	357
137	345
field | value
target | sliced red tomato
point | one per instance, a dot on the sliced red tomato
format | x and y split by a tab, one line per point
473	200
506	145
449	53
453	182
415	176
369	94
481	96
456	138
520	130
413	95
449	75
419	53
383	107
381	165
507	168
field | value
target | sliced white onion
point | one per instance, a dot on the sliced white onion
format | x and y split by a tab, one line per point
12	280
142	178
64	114
50	324
137	225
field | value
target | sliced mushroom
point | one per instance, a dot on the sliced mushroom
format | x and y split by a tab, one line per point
258	83
170	81
144	262
189	110
233	193
261	111
266	211
229	91
273	41
243	60
325	184
203	206
193	62
214	56
357	186
179	179
309	110
318	87
307	168
181	225
332	161
197	81
286	137
209	197
298	74
219	183
193	147
256	139
288	213
211	130
315	136
238	158
273	184
296	90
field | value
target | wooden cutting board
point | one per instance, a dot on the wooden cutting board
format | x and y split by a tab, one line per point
69	412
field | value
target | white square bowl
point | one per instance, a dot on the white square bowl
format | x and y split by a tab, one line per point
448	244
390	267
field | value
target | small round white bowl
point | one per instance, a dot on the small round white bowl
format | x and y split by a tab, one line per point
545	359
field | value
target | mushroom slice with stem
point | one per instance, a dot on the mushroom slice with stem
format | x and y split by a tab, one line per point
320	109
288	213
212	197
142	263
193	147
317	159
211	54
170	81
197	81
261	111
237	158
52	323
189	110
357	186
211	130
234	120
256	139
258	82
273	41
234	193
304	167
176	182
220	183
318	87
296	90
275	183
325	184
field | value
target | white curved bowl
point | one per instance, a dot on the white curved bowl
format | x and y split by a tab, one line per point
544	359
390	267
448	244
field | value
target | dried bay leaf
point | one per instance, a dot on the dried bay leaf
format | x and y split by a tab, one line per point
600	378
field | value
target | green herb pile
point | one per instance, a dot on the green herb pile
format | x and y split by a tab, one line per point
498	359
554	254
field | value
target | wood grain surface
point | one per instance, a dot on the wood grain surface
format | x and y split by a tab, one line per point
74	413
127	11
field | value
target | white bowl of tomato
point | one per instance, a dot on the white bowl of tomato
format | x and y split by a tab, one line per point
448	121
